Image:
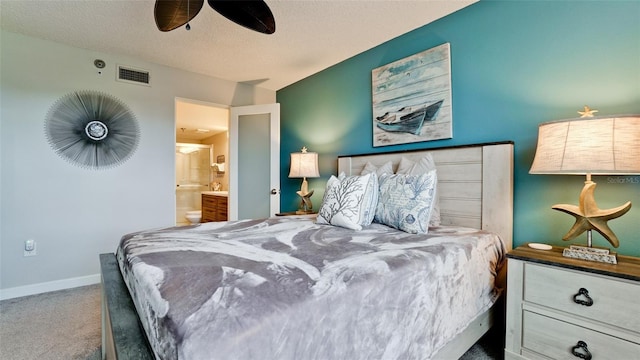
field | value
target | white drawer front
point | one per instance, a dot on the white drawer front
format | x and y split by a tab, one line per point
555	339
614	301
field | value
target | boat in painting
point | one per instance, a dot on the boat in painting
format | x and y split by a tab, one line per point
408	121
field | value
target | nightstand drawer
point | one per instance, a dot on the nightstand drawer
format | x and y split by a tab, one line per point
614	300
555	339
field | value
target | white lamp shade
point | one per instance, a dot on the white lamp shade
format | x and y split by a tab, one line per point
604	146
304	164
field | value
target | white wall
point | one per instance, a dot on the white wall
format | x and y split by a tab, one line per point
73	213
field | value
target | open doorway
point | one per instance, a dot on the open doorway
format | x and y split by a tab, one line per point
202	150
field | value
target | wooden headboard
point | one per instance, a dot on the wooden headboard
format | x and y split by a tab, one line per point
475	183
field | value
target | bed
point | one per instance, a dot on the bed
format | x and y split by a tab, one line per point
290	288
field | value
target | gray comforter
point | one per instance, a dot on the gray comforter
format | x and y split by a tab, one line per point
287	288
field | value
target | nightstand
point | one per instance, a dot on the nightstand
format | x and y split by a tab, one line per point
563	308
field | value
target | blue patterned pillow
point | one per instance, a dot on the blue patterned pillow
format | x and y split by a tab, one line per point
405	201
349	202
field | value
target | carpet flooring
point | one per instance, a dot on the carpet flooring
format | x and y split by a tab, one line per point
61	325
65	325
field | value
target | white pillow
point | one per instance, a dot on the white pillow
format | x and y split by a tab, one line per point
423	166
406	201
386	168
349	202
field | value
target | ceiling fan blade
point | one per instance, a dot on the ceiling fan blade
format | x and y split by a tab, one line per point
252	14
171	14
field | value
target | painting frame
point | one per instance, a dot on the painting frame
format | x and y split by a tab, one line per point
411	98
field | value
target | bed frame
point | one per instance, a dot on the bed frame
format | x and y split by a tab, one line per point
475	186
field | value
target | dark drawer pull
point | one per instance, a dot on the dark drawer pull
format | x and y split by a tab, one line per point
583	353
584	293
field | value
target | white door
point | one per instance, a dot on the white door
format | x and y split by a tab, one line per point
254	161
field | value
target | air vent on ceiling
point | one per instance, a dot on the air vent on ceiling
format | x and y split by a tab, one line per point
133	75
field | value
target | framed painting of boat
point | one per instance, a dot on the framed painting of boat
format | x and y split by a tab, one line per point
412	98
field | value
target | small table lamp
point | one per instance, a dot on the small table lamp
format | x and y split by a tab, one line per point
304	165
590	146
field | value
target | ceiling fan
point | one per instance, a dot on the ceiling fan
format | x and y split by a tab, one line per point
252	14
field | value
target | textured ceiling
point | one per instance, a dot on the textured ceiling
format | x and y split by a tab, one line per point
310	36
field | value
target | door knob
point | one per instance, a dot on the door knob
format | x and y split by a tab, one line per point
274	192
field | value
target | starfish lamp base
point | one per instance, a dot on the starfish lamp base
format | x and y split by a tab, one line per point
305	203
589	217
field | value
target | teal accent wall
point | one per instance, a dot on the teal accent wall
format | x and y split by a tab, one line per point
515	64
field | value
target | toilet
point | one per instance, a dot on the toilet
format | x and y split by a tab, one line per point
194	216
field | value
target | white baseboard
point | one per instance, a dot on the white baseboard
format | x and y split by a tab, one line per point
40	288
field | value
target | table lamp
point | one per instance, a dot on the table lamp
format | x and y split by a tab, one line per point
590	146
304	165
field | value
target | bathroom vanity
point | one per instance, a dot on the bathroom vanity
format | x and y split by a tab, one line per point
214	206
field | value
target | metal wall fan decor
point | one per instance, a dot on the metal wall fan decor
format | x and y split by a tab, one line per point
92	129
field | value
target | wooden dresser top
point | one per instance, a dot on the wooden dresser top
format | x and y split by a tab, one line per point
628	267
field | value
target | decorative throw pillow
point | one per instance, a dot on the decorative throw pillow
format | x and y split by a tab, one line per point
405	201
386	168
349	201
423	166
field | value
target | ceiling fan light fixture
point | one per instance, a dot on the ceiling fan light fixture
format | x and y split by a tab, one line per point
252	14
172	14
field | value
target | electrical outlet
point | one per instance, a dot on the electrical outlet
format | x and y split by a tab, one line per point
30	248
